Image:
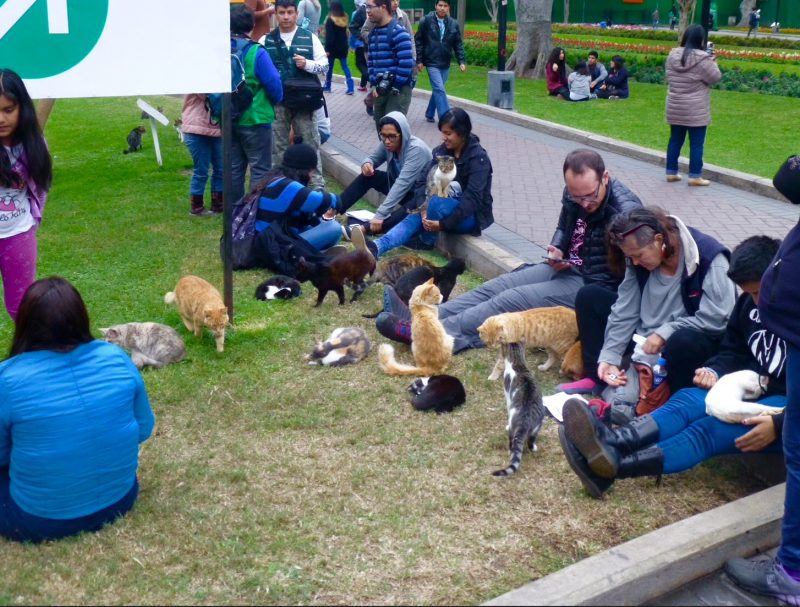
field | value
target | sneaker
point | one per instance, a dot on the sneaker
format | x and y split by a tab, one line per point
393	327
594	485
429	119
764	576
673	178
393	304
582	386
361	243
362	89
346	232
698	181
613	96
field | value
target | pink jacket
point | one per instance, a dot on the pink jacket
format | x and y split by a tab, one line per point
196	118
689	92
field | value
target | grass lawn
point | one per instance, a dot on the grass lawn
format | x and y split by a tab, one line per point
269	481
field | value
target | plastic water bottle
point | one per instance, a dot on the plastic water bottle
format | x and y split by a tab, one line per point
659	371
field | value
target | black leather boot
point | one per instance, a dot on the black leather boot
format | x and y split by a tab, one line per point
647	462
216	202
594	485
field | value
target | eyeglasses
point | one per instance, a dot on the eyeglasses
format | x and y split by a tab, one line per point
590	197
388	136
371	7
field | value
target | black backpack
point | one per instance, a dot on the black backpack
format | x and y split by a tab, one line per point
241	95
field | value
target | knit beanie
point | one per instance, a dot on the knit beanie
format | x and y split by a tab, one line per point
300	156
787	179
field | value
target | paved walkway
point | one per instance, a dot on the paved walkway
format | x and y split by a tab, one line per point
527	190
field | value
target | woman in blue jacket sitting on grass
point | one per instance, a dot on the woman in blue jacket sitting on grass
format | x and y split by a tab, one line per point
72	414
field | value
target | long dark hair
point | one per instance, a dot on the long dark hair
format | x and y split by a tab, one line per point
28	133
694	38
52	316
336	9
641	224
554	57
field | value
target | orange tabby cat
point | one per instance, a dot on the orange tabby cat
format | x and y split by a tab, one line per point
431	346
572	365
554	329
200	305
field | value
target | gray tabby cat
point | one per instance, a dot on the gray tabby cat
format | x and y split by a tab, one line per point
438	182
524	403
150	343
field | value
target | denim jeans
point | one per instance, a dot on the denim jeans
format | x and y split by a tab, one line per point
688	436
205	151
438	102
323	235
438	208
252	145
345	69
789	552
697	139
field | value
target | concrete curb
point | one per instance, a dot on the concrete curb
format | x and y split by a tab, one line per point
661	561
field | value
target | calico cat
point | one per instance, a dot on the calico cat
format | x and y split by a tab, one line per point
392	269
351	268
200	305
444	277
554	329
345	346
441	393
278	287
524	404
431	346
151	344
134	140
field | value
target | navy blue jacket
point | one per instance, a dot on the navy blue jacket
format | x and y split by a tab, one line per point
780	291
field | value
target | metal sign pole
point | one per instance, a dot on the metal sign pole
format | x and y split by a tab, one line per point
502	19
227	187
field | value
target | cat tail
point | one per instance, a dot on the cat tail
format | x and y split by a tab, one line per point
517	446
169	297
391	367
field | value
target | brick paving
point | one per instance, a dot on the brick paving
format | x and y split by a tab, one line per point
528	178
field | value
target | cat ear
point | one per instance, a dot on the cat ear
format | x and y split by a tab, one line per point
429	281
104	331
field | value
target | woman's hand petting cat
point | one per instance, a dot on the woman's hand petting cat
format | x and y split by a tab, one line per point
654	344
431	225
375	226
367	170
704	378
760	436
611	374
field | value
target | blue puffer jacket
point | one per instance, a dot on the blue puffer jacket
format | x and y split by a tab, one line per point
390	50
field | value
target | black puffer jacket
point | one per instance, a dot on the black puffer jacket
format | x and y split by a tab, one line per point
433	51
593	252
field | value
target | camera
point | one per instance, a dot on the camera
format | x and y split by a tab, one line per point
710	48
384	82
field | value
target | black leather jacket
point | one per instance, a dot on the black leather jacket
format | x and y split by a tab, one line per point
433	51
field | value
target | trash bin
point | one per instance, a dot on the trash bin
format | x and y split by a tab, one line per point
501	89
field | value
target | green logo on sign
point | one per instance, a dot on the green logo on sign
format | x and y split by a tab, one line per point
41	38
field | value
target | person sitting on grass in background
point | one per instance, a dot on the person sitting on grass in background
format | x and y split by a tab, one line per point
580	83
406	157
576	256
615	85
286	197
467	210
557	84
597	71
68	453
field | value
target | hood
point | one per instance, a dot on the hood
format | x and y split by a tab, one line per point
405	130
340	21
695	57
691	254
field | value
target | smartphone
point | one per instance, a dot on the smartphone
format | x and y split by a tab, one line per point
570	261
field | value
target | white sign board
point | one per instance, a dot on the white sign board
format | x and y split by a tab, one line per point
105	48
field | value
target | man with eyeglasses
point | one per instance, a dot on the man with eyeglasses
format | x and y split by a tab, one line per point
576	255
390	61
406	157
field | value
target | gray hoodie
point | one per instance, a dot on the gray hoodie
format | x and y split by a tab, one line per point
403	169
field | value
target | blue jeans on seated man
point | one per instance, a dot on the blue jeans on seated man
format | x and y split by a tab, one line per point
438	102
438	209
323	235
697	139
688	436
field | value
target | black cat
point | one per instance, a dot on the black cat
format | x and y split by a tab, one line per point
441	393
278	287
350	268
443	277
134	140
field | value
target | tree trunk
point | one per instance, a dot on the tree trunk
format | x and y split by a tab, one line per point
534	38
491	8
745	8
687	8
566	11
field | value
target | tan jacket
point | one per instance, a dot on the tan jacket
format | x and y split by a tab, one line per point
689	87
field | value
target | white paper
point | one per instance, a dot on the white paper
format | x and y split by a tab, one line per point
361	215
555	403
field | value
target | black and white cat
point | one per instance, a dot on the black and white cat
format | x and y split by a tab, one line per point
278	287
524	403
441	393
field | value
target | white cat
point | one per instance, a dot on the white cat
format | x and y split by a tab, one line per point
725	399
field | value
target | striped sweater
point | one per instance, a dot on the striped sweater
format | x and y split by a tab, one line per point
391	50
301	205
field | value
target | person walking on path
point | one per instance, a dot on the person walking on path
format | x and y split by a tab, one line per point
336	45
26	172
755	17
691	72
252	134
296	52
390	58
437	39
777	307
357	20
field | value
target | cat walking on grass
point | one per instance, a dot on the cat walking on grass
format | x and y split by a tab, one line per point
200	305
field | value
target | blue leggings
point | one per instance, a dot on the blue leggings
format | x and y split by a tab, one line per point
18	525
323	235
438	209
688	436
